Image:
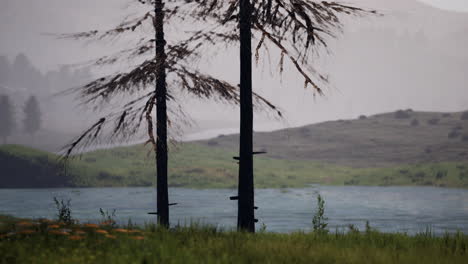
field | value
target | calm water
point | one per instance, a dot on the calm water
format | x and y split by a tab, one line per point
389	209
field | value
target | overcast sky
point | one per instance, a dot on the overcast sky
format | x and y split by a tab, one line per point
23	21
456	5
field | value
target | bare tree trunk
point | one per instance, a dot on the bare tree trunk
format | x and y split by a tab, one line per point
245	219
161	116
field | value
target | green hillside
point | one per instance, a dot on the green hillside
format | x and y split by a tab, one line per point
382	140
387	149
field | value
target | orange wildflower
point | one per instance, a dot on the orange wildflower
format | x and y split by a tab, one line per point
79	232
91	225
121	230
111	236
54	226
27	232
134	231
75	237
24	224
107	223
101	231
138	237
58	232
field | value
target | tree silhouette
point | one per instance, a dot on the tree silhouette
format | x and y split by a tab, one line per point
168	67
7	121
293	28
32	116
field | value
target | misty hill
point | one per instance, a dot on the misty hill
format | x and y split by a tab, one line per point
400	148
22	167
402	137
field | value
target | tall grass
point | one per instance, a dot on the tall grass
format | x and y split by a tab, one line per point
204	244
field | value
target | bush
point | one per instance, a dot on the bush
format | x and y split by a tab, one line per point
319	223
362	117
433	121
212	143
441	174
401	114
453	134
63	211
464	115
415	122
90	160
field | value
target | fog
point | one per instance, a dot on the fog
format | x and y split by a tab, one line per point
414	56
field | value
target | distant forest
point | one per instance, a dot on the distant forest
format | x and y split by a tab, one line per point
20	80
20	76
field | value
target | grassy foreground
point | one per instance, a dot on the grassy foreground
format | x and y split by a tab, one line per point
43	241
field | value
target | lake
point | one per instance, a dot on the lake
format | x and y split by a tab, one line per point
389	209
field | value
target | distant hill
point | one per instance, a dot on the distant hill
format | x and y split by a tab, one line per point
23	167
401	137
401	148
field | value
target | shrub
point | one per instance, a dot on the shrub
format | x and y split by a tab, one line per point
433	121
441	174
108	219
319	223
362	117
464	115
401	114
453	134
63	211
212	143
90	160
415	122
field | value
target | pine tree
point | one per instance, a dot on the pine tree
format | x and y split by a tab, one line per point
291	27
7	121
147	86
32	116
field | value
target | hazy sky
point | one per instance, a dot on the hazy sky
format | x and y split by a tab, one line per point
22	21
456	5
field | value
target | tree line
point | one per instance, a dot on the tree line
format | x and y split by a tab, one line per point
31	122
290	28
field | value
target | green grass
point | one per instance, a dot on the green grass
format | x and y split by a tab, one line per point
204	244
197	166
